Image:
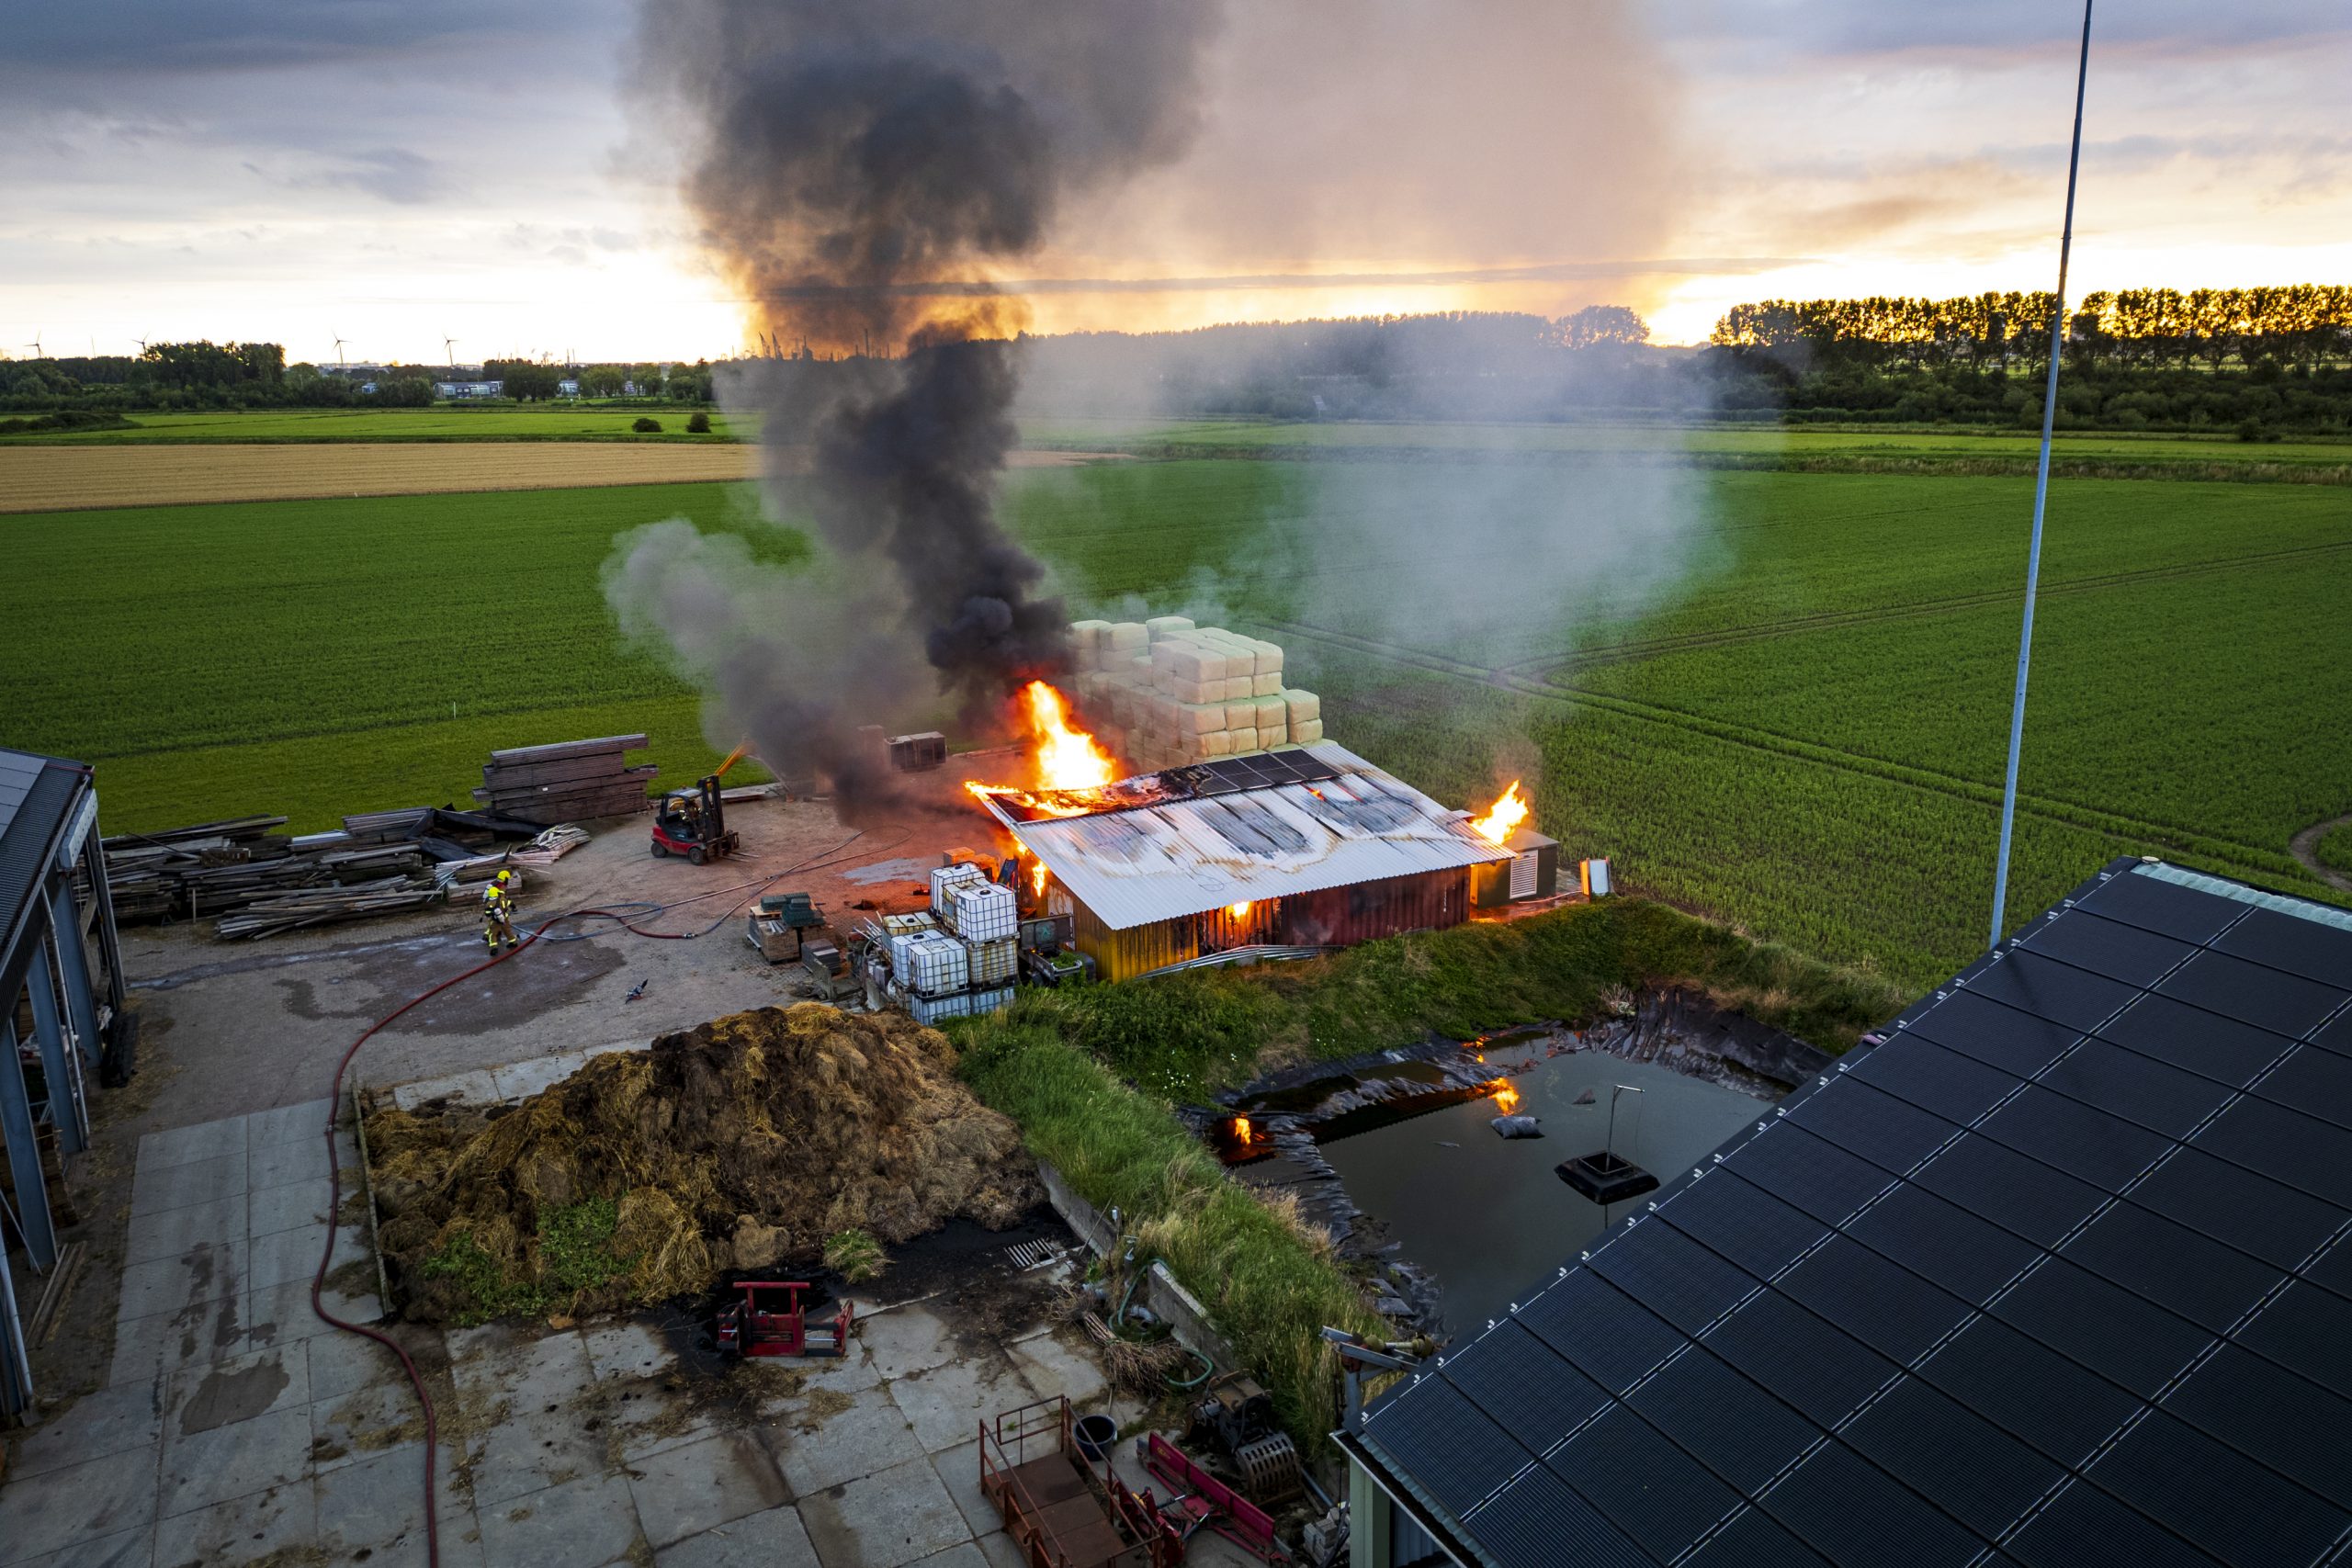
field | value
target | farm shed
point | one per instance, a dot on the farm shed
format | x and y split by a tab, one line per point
60	989
2056	1268
1307	848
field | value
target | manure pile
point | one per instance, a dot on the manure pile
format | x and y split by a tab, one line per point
739	1144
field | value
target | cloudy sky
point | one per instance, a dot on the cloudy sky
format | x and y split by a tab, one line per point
401	172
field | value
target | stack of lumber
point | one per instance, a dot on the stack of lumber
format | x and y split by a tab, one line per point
1166	692
566	782
324	906
214	868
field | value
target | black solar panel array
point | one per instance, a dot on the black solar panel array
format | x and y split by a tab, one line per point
1264	770
2060	1273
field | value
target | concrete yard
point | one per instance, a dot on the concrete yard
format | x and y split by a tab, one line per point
234	1427
196	1411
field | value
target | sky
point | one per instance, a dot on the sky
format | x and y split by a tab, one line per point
401	172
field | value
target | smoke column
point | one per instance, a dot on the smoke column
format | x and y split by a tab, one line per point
859	171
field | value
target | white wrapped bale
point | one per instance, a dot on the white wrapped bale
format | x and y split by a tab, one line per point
1306	733
1239	688
1238	715
1266	685
1128	636
1199	718
1268	658
1195	691
1161	626
1185	660
1217	743
1243	740
1269	715
1085	642
1304	706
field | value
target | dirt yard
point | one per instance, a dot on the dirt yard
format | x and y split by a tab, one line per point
68	479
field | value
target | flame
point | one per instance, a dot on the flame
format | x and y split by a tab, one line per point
1238	911
1507	1099
1241	1129
1498	824
1038	879
1067	760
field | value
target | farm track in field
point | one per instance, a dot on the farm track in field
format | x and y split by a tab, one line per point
1953	785
1553	665
2304	847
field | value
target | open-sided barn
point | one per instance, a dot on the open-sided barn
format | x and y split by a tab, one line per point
1306	847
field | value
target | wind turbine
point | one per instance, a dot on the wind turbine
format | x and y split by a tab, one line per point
449	347
338	352
39	352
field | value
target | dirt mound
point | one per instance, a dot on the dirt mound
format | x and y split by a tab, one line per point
740	1143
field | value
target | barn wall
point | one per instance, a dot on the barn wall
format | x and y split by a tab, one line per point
1337	916
1365	911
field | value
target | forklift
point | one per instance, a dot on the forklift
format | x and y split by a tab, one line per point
693	823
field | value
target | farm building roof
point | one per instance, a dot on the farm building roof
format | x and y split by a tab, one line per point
2059	1271
35	795
1186	840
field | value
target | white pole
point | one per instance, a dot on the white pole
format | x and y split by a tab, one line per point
2040	498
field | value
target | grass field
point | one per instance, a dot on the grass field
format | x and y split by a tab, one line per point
1831	447
537	423
1806	736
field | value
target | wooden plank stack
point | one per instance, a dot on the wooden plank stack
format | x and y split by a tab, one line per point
216	868
569	781
324	906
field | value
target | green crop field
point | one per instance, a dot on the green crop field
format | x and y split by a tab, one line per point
557	422
1802	731
1829	448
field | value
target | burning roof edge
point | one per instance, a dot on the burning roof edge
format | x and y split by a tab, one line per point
1166	858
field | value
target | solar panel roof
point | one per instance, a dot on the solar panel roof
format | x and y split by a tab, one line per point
2058	1271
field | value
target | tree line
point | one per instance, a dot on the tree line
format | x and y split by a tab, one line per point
2306	324
204	375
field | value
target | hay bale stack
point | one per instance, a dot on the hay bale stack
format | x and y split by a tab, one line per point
1165	691
738	1144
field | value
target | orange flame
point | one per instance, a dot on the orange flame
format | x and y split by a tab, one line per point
1241	1129
1238	911
1498	824
1038	879
1068	760
1507	1099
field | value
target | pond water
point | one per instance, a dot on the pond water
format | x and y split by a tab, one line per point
1489	1218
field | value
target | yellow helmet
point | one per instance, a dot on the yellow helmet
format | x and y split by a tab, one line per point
504	877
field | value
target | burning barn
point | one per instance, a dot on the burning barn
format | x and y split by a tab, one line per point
1311	846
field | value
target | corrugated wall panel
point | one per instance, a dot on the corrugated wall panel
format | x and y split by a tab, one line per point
1365	911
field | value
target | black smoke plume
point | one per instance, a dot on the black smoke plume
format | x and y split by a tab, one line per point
839	157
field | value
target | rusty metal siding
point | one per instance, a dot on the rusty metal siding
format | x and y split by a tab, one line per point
1124	955
1365	911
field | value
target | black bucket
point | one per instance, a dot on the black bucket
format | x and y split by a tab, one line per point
1096	1435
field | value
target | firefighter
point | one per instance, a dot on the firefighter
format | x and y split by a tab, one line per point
498	912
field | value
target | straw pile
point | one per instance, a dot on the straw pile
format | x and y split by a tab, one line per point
740	1143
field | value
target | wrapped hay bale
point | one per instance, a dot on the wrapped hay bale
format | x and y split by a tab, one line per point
1199	718
1129	638
1086	643
1161	626
1267	657
1270	717
1306	733
1217	743
738	1144
1243	740
1303	706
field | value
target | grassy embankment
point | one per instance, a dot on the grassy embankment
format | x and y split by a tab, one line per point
1089	1074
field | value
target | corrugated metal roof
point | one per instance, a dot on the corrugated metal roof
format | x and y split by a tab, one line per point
36	794
1188	856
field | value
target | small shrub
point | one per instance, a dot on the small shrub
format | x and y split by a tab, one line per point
646	424
698	423
855	1255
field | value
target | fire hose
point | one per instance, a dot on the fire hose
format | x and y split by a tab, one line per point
335	1168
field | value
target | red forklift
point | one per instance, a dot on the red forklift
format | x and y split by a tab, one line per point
693	823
